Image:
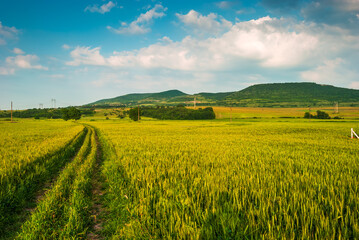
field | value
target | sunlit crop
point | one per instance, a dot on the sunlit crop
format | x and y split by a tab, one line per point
245	179
211	180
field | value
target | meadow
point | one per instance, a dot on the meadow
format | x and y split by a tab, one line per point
252	178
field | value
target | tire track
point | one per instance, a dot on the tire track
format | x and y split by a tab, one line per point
43	175
97	192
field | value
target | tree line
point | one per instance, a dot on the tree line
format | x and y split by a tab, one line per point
58	113
172	113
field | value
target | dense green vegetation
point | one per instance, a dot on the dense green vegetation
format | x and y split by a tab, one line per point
320	115
261	95
293	95
71	113
173	113
50	113
136	98
33	113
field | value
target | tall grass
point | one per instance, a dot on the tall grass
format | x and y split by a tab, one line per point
64	212
24	174
213	180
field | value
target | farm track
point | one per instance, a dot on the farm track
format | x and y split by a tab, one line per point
20	194
97	193
71	208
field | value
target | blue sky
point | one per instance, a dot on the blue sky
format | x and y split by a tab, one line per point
81	51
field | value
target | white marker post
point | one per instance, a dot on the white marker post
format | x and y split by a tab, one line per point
353	133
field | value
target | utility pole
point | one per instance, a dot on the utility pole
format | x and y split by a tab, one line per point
230	113
194	103
309	113
11	111
336	107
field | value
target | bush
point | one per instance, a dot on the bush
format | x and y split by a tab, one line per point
71	113
320	115
178	113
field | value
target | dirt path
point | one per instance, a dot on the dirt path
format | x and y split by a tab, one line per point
97	192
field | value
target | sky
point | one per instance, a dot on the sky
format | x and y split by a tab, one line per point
78	52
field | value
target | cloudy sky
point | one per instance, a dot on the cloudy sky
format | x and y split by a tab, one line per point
80	51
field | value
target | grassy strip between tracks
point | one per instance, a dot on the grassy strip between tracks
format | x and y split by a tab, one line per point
65	209
17	189
115	200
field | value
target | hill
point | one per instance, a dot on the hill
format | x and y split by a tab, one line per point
260	95
140	98
293	95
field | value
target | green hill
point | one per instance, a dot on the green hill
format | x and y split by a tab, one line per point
292	95
260	95
140	98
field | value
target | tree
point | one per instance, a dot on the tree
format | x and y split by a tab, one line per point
71	113
322	115
308	115
133	113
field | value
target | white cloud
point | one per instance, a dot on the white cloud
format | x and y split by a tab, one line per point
26	62
212	23
357	16
66	47
18	51
330	71
86	56
101	9
259	47
7	33
268	41
354	85
6	71
141	24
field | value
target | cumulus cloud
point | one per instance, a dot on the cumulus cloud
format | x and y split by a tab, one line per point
86	56
212	23
101	9
331	71
266	46
141	24
266	41
7	33
18	51
25	61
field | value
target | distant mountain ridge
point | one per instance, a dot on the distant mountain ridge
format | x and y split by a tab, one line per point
260	95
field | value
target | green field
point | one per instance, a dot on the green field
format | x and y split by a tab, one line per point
264	178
